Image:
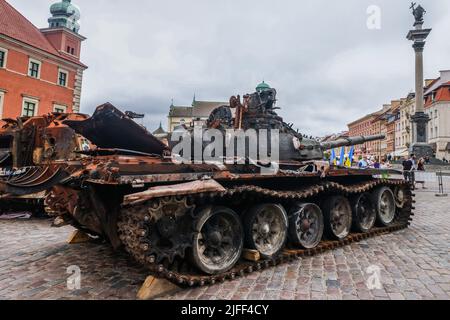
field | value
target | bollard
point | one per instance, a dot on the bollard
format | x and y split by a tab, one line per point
441	185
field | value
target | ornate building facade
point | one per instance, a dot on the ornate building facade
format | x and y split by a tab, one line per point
437	106
196	114
403	128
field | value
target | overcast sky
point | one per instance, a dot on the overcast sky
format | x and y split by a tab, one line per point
328	67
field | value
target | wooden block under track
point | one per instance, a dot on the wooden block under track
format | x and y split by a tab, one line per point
291	252
155	287
78	236
251	255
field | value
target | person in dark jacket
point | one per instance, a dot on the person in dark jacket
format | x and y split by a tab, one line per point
408	167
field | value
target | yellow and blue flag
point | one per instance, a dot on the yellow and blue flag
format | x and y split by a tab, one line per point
350	157
342	157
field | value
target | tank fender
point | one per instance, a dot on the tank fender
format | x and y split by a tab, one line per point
187	188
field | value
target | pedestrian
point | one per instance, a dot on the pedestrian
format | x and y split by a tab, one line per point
386	164
407	169
414	168
413	160
363	164
421	168
376	164
369	161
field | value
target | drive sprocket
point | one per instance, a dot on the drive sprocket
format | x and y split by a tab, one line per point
158	230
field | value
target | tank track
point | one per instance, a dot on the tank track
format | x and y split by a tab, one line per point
132	231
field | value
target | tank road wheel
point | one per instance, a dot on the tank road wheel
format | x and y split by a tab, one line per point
305	225
364	214
218	240
400	197
385	205
266	229
338	217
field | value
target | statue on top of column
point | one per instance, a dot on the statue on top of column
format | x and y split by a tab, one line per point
418	12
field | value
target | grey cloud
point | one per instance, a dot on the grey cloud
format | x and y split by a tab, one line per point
327	66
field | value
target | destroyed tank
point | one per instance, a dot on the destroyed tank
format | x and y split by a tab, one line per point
32	141
195	222
27	145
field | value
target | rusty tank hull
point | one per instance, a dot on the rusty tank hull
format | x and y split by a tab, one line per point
27	145
200	223
159	217
31	146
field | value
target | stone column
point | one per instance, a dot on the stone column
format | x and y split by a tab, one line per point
418	49
420	119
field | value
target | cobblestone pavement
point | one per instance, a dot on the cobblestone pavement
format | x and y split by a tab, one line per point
413	264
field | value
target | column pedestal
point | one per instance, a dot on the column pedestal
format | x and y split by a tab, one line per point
420	148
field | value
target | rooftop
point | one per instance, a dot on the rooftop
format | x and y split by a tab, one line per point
160	130
439	82
180	112
15	26
262	86
202	109
199	109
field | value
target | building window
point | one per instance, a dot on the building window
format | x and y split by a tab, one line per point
71	50
59	108
62	78
3	53
30	107
34	69
2	99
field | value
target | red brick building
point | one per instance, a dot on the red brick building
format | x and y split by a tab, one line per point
40	69
362	127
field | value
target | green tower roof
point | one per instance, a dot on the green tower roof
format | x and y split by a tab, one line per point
65	14
262	86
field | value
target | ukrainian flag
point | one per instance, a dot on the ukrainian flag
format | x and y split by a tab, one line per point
342	157
333	157
349	161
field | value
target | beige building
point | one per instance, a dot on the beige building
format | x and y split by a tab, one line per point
196	114
394	121
379	126
362	127
392	116
403	126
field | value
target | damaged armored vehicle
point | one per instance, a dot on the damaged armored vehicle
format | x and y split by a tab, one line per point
27	146
193	221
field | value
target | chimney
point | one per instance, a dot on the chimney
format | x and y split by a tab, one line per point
445	75
428	82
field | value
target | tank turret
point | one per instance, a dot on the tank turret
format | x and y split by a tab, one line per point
257	111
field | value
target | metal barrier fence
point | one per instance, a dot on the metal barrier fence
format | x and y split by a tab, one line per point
441	192
434	179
